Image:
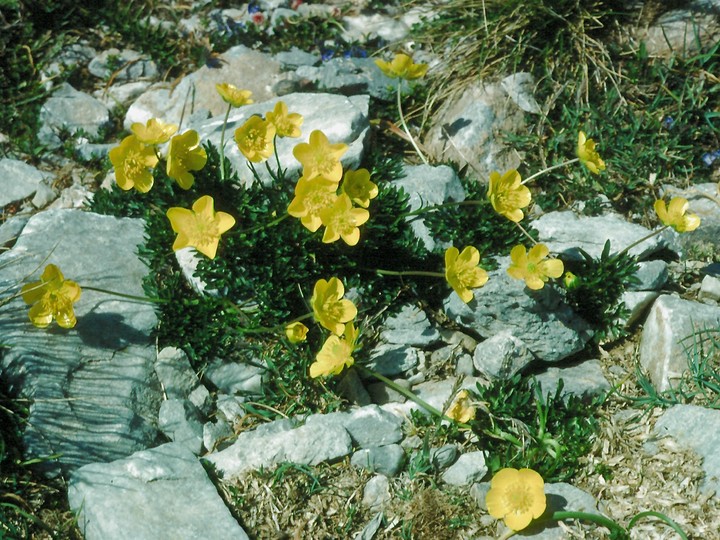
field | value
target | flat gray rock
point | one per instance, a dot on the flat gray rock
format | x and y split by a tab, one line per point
668	332
20	180
469	468
387	460
547	326
158	493
696	428
585	380
501	356
93	391
706	208
565	232
410	326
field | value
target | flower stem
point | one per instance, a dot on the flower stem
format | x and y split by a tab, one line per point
222	144
636	242
404	125
411	396
409	273
123	295
662	517
563	164
526	233
263	226
586	516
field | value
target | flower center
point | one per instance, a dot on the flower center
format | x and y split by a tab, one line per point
318	199
206	231
519	498
333	308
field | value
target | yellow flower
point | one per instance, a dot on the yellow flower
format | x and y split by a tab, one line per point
462	271
312	196
320	158
359	188
517	497
532	268
133	162
154	132
232	95
674	215
341	220
200	227
461	409
255	139
185	154
296	332
507	194
588	155
402	67
51	297
286	125
329	309
336	353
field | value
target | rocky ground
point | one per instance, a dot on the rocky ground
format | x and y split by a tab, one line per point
151	448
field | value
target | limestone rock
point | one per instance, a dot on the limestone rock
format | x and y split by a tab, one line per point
410	326
668	331
26	180
501	356
585	380
706	208
93	389
652	275
469	468
158	493
547	326
387	460
125	65
390	360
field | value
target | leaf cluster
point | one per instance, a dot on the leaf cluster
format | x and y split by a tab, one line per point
596	295
518	426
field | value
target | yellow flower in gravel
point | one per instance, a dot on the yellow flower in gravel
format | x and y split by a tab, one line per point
232	95
507	194
329	307
674	215
517	497
200	227
133	162
359	188
462	271
185	154
312	196
286	124
255	139
531	267
320	158
154	132
588	155
341	220
51	297
296	332
335	354
402	67
461	409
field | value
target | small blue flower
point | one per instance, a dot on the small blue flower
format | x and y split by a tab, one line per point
668	122
710	157
327	54
253	8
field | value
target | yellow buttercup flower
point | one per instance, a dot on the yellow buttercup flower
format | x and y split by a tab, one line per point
588	155
255	139
232	95
329	307
674	215
296	332
133	161
359	188
155	131
312	196
184	155
51	297
200	227
286	125
461	409
402	67
531	267
320	158
341	220
517	497
462	271
335	354
507	194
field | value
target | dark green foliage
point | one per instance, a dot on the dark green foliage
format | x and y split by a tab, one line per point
475	224
520	427
596	293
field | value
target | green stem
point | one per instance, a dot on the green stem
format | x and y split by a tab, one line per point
424	209
259	227
661	517
404	125
127	296
273	329
526	233
586	516
409	273
563	164
636	242
222	144
408	394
